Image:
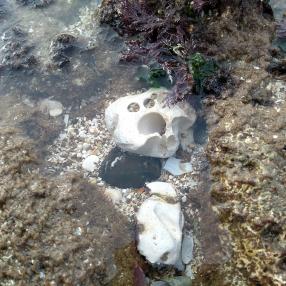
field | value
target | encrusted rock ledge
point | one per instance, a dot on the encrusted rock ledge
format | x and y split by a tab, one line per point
247	155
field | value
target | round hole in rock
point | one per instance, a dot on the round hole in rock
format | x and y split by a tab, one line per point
152	123
154	96
149	102
133	107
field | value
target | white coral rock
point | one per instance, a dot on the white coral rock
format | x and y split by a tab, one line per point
160	222
146	125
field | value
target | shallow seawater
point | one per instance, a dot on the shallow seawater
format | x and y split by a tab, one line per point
28	73
279	7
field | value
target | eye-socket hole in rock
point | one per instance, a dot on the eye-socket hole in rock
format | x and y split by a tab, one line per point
154	96
149	102
133	107
152	123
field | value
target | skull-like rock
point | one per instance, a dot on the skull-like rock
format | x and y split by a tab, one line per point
145	125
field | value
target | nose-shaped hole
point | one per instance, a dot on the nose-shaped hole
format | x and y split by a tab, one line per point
149	102
133	107
152	123
171	141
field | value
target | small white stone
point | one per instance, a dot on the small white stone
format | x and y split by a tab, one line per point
184	199
82	134
162	189
85	146
66	119
92	130
78	231
53	107
89	163
114	195
42	275
176	167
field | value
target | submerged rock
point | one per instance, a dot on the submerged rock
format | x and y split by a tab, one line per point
35	3
16	53
126	170
61	49
145	125
160	223
52	107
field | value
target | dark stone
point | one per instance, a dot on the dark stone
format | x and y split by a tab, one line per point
127	170
17	52
277	67
282	262
62	48
271	230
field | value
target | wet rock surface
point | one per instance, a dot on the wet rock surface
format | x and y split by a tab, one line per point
248	189
62	48
127	170
51	232
17	52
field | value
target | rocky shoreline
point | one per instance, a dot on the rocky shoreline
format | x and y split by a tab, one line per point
62	224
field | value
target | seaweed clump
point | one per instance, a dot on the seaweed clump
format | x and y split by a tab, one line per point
158	33
165	35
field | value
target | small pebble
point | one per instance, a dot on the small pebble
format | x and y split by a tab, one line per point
89	163
184	199
78	231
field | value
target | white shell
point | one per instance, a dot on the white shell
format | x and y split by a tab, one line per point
175	167
161	224
145	125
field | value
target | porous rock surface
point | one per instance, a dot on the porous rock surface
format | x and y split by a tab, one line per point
247	154
146	125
